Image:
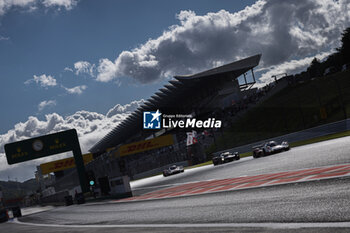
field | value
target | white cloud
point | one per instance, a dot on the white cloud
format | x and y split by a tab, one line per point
4	38
5	5
106	70
84	67
76	90
282	31
49	81
46	103
68	4
127	108
91	127
289	67
68	69
43	80
30	5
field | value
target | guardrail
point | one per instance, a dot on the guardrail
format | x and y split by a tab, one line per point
318	131
157	170
55	198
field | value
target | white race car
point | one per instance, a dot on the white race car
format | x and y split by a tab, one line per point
272	147
269	148
174	169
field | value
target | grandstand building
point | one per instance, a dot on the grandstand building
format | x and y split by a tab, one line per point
199	94
132	151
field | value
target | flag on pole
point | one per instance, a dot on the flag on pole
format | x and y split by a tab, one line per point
194	135
191	138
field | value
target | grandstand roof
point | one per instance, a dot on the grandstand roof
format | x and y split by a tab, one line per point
178	94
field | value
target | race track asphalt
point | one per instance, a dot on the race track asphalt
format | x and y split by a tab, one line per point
320	154
314	206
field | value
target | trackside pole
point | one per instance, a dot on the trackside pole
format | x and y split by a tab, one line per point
79	163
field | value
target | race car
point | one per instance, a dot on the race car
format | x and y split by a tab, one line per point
174	169
258	151
269	148
225	157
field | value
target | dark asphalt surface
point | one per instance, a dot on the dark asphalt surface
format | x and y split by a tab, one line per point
319	201
14	228
315	201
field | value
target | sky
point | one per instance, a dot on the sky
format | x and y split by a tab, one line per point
87	64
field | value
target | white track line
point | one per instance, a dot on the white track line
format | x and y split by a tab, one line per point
202	225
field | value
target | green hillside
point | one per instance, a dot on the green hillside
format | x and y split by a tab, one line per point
13	189
302	105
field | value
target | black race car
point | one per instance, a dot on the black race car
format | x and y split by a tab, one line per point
225	157
258	151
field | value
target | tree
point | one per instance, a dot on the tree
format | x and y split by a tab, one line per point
344	50
314	68
334	61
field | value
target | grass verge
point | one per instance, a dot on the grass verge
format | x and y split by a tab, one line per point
321	139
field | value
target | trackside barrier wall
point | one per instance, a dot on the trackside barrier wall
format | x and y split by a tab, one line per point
318	131
157	170
55	198
120	185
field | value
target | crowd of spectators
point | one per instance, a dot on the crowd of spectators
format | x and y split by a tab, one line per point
249	99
